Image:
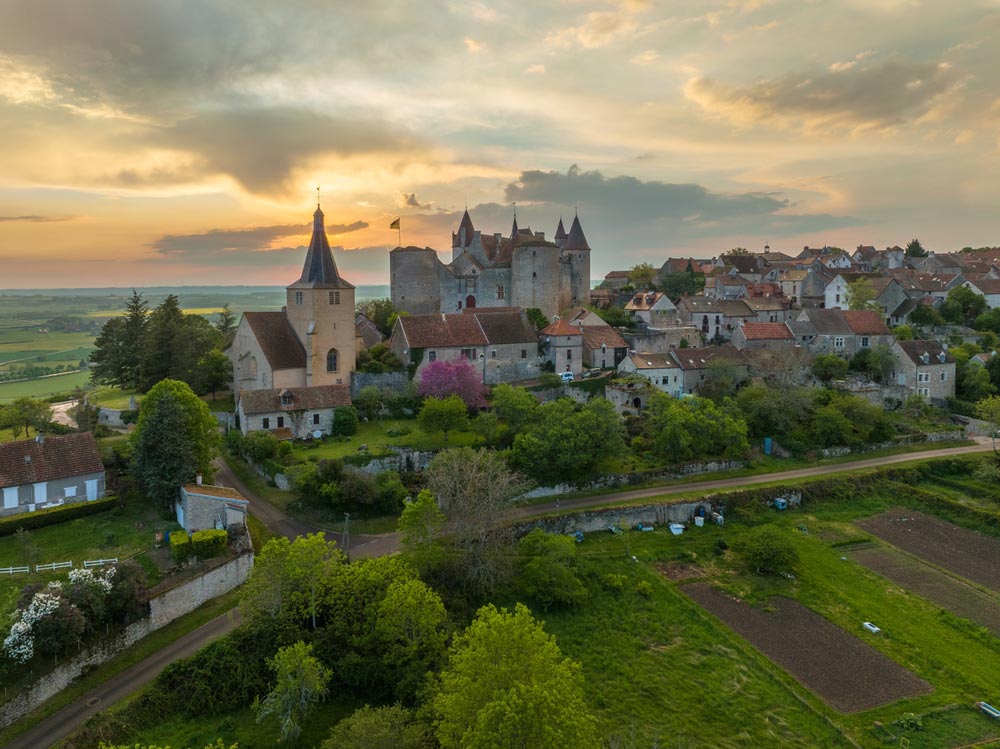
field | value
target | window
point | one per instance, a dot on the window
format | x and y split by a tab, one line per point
493	354
69	491
470	284
298	297
332	363
315	419
924	391
838	342
944	376
253	367
923	377
286	399
864	341
469	353
838	298
266	423
569	354
524	353
334	297
281	422
432	355
10	497
500	291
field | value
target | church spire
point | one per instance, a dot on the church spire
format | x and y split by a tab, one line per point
466	231
319	271
513	230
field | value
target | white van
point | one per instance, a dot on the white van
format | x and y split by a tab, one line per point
566	376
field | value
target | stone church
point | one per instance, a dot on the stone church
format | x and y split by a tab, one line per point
489	270
311	342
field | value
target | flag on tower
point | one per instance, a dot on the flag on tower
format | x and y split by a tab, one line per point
394	224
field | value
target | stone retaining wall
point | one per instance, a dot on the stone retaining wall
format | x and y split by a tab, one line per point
165	608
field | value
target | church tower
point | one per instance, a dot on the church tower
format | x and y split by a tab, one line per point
320	308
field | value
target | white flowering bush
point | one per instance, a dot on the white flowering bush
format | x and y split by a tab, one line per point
87	577
19	645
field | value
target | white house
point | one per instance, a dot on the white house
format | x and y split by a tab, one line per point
50	471
661	370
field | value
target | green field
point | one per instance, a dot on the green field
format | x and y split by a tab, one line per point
661	671
375	435
43	387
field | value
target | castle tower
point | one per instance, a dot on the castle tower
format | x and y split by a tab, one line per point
320	308
576	251
462	239
560	237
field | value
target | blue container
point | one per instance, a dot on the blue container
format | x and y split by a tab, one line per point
767	445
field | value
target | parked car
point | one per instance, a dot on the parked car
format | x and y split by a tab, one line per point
566	376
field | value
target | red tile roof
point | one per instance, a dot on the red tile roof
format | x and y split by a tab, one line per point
596	335
560	328
766	331
31	461
277	340
303	399
442	331
865	322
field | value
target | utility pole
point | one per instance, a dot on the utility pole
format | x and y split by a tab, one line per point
347	535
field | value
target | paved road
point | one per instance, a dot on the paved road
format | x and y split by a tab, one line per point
60	724
61	413
63	722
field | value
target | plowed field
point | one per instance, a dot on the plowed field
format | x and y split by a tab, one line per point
843	671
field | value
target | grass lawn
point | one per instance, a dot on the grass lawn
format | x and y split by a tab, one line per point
111	397
223	403
376	436
43	387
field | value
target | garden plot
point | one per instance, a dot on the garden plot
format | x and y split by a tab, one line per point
928	582
842	670
971	554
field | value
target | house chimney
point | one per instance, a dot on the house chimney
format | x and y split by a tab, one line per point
197	479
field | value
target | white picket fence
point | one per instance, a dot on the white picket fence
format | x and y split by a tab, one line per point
53	566
99	562
13	570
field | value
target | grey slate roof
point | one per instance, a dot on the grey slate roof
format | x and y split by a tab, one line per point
277	339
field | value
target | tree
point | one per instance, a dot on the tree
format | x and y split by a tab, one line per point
215	372
877	363
301	682
291	581
925	315
157	356
973	383
915	249
109	359
693	429
988	409
25	413
536	317
507	685
766	549
378	359
516	406
217	745
903	333
720	380
370	402
676	285
568	442
176	438
226	325
411	630
828	367
443	415
861	295
440	379
420	526
392	727
548	573
642	275
379	311
962	306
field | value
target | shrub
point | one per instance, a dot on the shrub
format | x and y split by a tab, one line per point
180	546
208	544
644	588
42	518
615	582
549	380
260	446
766	549
345	421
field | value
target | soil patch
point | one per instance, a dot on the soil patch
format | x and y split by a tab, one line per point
842	670
679	570
971	554
928	582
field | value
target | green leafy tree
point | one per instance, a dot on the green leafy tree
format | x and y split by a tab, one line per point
516	406
217	745
443	415
157	356
973	383
642	275
301	682
861	295
379	311
829	367
215	372
420	527
766	549
507	685
721	380
226	325
693	429
877	363
176	437
536	317
26	413
924	315
548	571
903	333
370	402
291	581
988	409
568	442
378	359
109	359
677	285
391	727
915	249
963	306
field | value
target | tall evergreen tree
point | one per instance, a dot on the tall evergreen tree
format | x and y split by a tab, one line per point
107	360
158	353
226	325
136	322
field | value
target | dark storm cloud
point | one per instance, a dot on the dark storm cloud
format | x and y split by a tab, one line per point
233	242
260	146
879	94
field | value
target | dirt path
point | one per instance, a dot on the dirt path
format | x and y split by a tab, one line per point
62	413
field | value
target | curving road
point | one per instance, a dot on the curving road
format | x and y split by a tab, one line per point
63	722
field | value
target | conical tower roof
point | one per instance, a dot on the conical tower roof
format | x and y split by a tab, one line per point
560	231
576	240
319	271
470	231
514	230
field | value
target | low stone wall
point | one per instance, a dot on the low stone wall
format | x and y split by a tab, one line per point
592	521
163	609
111	417
394	381
625	479
909	439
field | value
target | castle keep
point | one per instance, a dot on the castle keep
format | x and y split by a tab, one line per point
523	270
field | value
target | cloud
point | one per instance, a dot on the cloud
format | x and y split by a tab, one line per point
260	147
239	242
472	45
876	96
646	58
32	219
409	200
599	28
536	69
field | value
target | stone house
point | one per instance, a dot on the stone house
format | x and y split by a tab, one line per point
201	507
769	308
836	294
697	363
988	288
652	307
615	279
603	346
714	317
935	285
925	368
792	282
501	342
727	286
291	413
763	335
366	330
562	345
661	370
48	472
841	332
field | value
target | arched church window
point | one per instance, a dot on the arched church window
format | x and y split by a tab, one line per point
331	360
253	367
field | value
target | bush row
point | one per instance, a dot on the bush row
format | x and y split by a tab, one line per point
202	544
32	520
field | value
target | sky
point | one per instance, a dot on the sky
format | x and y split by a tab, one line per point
182	141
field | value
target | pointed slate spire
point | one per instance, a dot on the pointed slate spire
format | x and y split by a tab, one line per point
513	230
560	231
465	231
319	271
576	240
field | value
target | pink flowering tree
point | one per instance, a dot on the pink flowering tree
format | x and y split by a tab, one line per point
439	379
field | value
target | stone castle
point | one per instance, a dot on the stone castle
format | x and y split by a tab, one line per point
523	270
